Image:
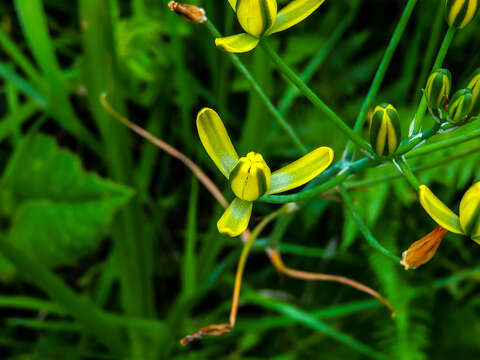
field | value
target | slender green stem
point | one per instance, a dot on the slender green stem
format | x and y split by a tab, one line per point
433	42
440	145
273	110
189	268
341	170
447	41
335	179
288	208
372	241
181	80
396	175
382	69
78	307
414	140
291	93
405	170
314	99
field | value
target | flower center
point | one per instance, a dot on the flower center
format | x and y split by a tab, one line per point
250	177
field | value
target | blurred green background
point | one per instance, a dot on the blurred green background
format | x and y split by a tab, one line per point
109	247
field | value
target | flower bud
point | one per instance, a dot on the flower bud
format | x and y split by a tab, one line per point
459	13
250	177
470	212
385	133
438	88
474	85
460	106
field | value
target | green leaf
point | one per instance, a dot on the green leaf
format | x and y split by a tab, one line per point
60	210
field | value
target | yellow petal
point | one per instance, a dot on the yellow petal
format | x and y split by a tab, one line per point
293	13
470	212
237	43
216	141
235	219
233	4
301	171
256	16
438	211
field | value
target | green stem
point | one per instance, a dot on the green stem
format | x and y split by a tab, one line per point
440	145
273	110
80	308
382	69
288	208
335	179
396	175
405	170
314	99
337	173
363	227
430	52
291	93
447	41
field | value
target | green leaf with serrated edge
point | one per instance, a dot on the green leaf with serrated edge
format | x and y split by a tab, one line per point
60	210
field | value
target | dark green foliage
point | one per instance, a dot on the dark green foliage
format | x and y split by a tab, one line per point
115	244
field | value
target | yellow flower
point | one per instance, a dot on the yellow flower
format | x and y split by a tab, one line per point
466	223
249	176
260	18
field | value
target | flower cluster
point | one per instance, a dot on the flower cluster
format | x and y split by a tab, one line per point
463	105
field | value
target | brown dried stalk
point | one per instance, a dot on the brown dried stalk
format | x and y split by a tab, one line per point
277	262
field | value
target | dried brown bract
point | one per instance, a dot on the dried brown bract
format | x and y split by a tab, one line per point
421	251
190	12
210	330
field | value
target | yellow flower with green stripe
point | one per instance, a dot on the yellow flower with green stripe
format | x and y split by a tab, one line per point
249	176
260	18
459	13
466	223
385	132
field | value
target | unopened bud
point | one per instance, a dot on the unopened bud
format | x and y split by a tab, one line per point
474	85
459	13
460	106
438	88
385	132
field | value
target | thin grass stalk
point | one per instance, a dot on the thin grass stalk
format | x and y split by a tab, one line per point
382	70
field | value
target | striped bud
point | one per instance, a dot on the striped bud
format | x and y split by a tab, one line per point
385	133
438	88
459	13
250	177
474	85
470	212
460	106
